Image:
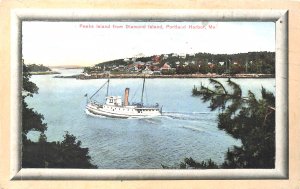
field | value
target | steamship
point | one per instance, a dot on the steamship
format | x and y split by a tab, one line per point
114	107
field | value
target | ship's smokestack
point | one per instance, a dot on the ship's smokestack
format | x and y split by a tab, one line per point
126	103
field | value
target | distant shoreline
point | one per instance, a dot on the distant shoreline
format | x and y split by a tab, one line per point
101	76
45	73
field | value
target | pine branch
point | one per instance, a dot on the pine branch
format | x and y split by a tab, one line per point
218	85
237	92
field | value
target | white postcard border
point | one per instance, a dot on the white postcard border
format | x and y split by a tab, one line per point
280	17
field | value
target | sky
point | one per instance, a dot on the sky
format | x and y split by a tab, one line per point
89	43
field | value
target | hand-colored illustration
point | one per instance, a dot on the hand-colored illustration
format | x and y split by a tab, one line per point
148	95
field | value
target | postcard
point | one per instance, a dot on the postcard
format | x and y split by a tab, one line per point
108	95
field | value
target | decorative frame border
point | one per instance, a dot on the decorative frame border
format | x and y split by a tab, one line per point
280	17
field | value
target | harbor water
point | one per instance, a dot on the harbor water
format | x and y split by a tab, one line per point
187	127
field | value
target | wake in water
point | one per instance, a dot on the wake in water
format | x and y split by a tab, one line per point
93	115
194	128
187	112
182	116
190	115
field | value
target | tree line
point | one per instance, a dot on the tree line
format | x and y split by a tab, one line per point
37	68
44	154
251	62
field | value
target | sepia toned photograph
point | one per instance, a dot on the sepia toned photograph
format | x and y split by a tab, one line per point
148	95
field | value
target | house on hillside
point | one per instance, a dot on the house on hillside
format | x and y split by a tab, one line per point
221	63
182	55
139	63
165	56
156	73
147	71
121	67
126	59
155	63
156	58
211	65
149	63
154	68
165	67
132	68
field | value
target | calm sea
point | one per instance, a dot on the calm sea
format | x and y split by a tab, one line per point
186	129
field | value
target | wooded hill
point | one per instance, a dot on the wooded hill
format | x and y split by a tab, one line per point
251	62
37	68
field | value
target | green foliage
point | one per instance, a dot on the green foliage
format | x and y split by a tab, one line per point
190	163
65	154
251	62
248	119
145	59
37	68
117	62
43	154
31	120
28	88
168	72
87	70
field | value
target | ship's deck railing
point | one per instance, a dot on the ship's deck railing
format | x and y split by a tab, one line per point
139	105
97	104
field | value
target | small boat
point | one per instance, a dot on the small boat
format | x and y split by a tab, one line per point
114	107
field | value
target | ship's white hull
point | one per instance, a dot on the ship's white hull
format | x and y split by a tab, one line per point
123	111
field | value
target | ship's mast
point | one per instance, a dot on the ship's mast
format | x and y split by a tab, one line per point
107	86
98	90
143	91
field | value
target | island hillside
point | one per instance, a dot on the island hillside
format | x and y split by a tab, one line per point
251	64
35	69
